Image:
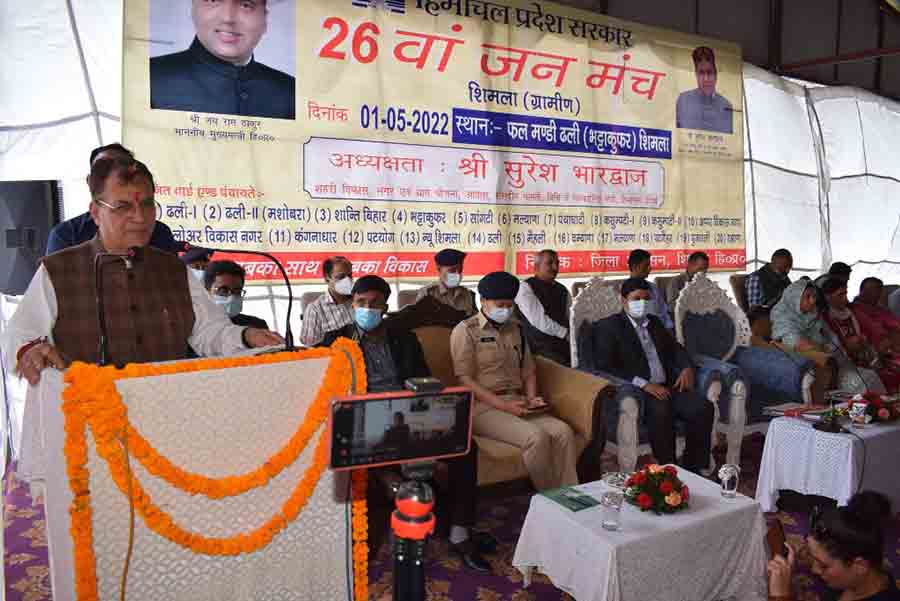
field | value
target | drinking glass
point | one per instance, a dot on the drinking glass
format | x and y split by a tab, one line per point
612	510
729	477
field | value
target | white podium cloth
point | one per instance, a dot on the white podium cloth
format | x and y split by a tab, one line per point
713	550
797	457
229	423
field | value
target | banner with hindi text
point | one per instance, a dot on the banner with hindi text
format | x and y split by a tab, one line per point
387	130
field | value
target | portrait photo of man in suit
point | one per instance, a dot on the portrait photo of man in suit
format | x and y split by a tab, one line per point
703	107
220	72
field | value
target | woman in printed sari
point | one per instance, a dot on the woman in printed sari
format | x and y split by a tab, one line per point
846	334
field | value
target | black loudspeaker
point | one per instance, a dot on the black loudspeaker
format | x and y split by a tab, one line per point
28	211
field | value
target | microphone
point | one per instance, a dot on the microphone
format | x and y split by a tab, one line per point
288	335
132	256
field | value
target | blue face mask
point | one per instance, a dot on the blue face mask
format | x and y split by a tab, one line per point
367	319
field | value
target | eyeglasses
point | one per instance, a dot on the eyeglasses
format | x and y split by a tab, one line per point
122	207
226	291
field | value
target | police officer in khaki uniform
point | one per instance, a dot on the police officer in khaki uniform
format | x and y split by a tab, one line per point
448	288
490	356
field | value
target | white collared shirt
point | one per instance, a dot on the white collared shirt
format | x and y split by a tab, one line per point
657	371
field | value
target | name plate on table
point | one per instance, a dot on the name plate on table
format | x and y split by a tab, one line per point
571	498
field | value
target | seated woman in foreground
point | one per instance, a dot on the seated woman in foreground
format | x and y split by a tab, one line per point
846	548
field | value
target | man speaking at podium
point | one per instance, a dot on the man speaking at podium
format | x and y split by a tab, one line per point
153	308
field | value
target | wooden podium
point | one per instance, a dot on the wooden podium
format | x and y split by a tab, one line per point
224	462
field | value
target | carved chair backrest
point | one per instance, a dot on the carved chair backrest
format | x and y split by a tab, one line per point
597	300
708	322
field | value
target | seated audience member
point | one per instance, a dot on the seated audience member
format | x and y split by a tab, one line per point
761	336
224	280
448	288
333	309
698	262
490	356
391	357
797	327
878	324
855	354
197	259
760	326
154	309
82	228
398	434
543	307
634	345
846	548
639	266
765	285
837	271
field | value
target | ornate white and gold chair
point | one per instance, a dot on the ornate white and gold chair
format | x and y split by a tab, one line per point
712	328
598	300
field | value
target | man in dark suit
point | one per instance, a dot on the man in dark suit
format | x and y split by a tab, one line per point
635	346
218	73
391	357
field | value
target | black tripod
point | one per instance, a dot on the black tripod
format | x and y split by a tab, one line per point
412	522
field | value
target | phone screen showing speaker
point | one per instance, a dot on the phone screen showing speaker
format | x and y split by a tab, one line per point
402	427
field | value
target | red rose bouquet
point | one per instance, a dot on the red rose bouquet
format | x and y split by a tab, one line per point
658	489
879	407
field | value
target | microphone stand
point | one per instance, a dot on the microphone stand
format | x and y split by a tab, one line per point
288	334
103	349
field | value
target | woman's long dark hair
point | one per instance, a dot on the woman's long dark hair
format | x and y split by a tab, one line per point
856	530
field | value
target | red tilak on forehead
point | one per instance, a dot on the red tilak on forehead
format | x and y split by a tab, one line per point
137	197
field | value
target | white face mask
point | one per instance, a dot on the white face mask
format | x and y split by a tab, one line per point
637	309
453	280
344	286
197	273
232	304
500	314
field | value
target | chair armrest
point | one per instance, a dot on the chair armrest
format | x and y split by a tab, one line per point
778	373
576	396
713	374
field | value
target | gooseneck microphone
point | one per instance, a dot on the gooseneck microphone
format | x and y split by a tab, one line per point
130	257
288	335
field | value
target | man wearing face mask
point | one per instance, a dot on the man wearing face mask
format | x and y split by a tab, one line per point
448	288
332	310
391	358
196	260
640	266
491	356
634	345
224	280
543	307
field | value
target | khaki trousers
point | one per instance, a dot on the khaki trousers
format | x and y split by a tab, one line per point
547	443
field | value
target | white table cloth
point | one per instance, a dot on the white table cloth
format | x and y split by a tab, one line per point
797	457
251	411
713	550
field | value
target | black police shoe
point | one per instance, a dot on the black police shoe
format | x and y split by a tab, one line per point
485	542
470	556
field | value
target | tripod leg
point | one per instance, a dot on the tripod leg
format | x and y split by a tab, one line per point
417	571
